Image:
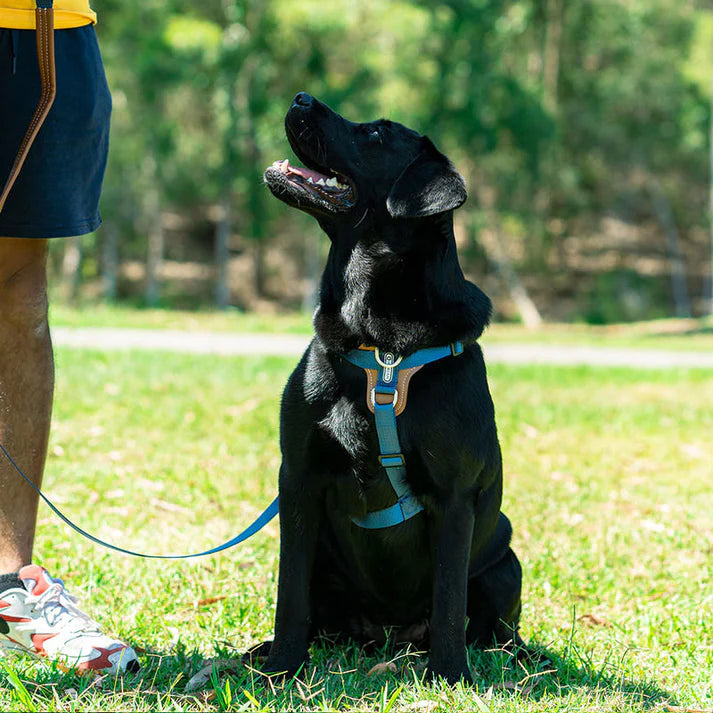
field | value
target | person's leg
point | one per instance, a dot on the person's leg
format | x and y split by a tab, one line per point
26	384
37	615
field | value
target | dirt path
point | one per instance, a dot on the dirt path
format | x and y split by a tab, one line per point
294	345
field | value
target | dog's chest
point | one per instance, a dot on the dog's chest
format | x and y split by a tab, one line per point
349	425
357	474
357	482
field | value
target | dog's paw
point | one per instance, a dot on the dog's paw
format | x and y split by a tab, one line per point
278	669
257	654
450	674
278	663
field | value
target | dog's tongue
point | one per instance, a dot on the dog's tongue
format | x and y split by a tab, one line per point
305	173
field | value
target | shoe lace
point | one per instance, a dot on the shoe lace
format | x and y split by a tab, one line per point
59	608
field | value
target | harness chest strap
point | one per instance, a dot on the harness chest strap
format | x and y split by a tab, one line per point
388	377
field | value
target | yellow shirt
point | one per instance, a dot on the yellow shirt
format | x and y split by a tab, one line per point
20	14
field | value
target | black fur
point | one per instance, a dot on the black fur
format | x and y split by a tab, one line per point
392	280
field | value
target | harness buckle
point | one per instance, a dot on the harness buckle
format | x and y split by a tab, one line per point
392	460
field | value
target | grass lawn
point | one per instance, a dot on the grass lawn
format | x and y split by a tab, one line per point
607	483
683	334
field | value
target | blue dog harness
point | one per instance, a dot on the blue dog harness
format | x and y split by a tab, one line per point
386	402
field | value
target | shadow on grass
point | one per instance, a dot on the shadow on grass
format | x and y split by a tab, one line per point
347	676
685	328
343	676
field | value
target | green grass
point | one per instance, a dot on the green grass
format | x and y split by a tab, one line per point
107	315
692	334
607	483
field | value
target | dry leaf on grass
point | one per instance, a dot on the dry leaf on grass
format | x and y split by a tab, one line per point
525	690
198	680
170	507
202	677
382	668
683	709
211	600
594	620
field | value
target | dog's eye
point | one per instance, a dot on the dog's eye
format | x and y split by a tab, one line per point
375	134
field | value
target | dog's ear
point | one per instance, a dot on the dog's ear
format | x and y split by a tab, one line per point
428	185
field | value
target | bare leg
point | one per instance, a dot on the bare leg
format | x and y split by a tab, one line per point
26	385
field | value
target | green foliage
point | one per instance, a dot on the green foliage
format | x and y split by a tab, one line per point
624	296
558	114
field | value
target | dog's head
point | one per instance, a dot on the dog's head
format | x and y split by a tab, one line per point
353	169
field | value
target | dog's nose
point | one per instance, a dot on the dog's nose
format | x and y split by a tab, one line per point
303	99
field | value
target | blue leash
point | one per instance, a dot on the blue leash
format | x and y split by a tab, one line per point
392	460
256	526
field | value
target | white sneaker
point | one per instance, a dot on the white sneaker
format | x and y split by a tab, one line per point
43	619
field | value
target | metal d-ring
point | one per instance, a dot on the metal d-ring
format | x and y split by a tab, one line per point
391	361
389	355
393	403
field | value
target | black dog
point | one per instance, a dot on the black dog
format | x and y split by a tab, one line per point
445	576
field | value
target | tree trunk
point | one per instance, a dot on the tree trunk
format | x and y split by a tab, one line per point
551	59
679	282
72	268
223	232
154	261
110	260
231	166
527	309
259	269
154	230
494	244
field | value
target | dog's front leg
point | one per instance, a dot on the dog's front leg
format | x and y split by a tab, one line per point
299	524
453	536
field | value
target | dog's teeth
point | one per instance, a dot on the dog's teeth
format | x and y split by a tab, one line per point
309	179
331	182
340	185
284	166
321	182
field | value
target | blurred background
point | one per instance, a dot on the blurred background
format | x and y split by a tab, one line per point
582	129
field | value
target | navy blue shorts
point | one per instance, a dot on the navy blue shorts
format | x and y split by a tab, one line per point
57	191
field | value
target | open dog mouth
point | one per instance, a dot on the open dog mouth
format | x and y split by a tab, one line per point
306	188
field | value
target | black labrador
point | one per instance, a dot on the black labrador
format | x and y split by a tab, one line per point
445	577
